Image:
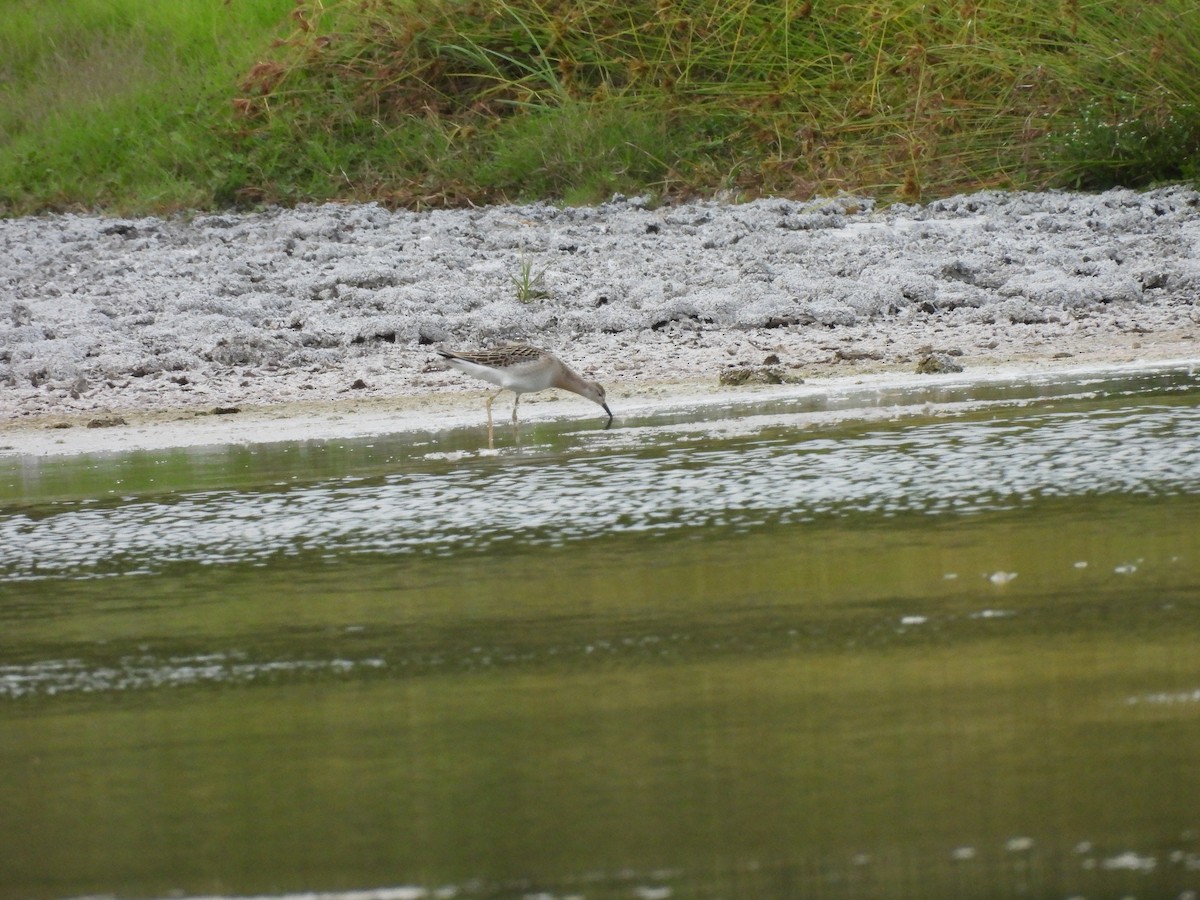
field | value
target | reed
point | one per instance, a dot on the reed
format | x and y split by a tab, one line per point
448	102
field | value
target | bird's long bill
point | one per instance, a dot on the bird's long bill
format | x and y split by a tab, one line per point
610	415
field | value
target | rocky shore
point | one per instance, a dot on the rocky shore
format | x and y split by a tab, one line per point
335	310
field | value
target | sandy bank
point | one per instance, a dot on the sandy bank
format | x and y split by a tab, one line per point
320	321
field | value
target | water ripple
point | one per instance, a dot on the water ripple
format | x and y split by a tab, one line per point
943	467
62	676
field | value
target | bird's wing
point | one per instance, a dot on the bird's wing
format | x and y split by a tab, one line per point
500	358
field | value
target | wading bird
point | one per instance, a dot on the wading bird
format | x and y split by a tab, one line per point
523	370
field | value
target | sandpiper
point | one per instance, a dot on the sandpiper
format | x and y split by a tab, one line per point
523	370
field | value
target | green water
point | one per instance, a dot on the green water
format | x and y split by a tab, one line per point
971	676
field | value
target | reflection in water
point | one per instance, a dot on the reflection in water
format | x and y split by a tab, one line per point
929	655
774	475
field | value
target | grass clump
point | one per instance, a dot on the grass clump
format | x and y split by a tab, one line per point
528	284
1118	143
511	99
449	102
1136	116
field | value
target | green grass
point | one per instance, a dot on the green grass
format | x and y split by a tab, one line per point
131	105
124	104
528	284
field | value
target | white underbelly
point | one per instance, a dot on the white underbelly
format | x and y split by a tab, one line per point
518	379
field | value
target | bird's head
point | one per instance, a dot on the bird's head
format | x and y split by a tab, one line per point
595	392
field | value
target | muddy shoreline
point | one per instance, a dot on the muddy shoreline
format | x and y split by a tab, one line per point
326	314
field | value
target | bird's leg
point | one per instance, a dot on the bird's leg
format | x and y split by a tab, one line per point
488	405
515	402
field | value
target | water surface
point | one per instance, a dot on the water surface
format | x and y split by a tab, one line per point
926	643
